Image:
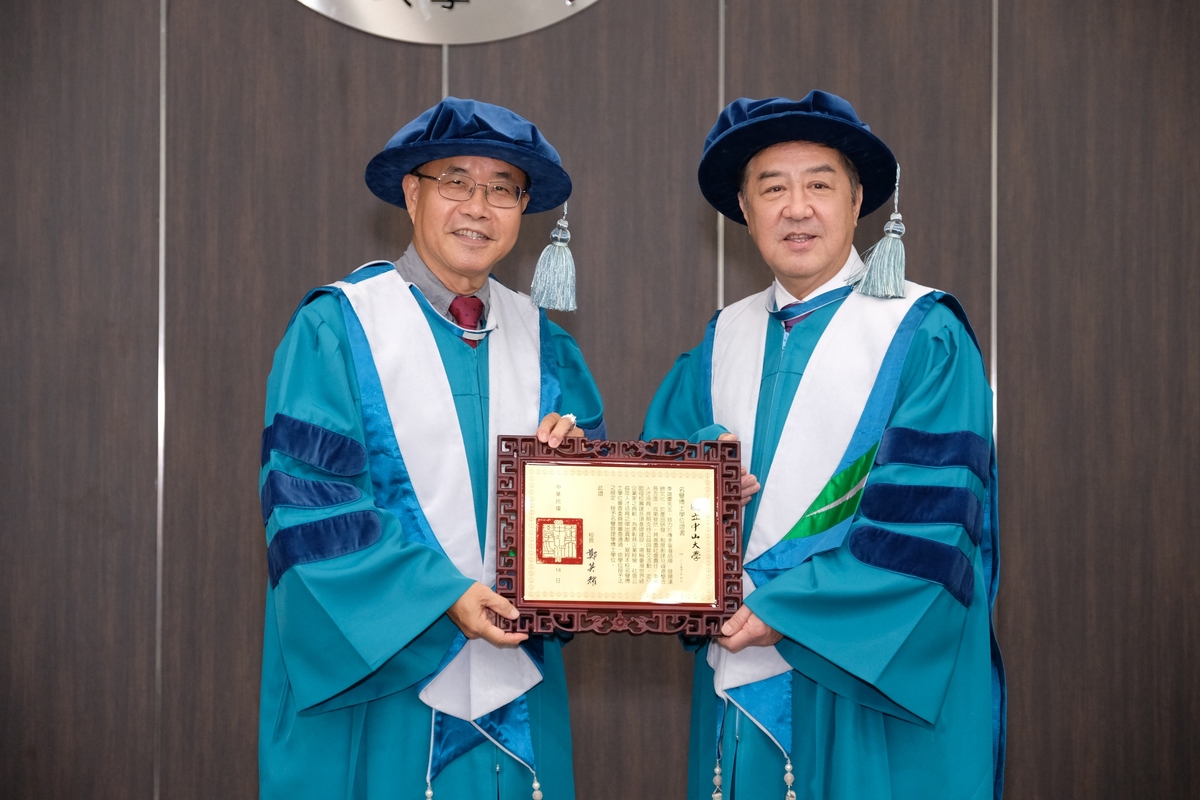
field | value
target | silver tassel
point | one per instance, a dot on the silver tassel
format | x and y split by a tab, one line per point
537	789
789	779
554	279
882	274
716	795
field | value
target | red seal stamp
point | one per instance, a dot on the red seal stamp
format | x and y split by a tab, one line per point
559	540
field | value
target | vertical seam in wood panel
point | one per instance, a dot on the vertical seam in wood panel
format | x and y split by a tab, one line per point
445	71
995	203
720	108
161	390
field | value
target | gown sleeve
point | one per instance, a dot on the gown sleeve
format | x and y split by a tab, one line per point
681	408
360	611
580	395
880	619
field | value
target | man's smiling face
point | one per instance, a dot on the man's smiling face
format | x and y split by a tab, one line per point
801	208
461	240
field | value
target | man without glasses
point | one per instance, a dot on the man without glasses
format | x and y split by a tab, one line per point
863	663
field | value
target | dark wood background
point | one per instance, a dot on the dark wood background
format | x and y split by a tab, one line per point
273	111
1099	373
78	364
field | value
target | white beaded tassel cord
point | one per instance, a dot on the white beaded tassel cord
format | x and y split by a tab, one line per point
716	795
789	779
429	764
537	788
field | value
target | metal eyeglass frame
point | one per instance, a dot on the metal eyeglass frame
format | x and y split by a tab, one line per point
467	179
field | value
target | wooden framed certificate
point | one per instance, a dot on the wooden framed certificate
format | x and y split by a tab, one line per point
601	536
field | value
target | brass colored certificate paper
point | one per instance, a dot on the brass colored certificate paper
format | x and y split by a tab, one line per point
619	534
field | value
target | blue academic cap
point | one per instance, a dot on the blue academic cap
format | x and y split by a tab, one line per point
747	126
457	127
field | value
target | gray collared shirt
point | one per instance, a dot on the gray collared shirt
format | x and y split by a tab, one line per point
413	269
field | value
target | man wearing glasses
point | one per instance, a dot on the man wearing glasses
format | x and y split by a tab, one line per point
383	674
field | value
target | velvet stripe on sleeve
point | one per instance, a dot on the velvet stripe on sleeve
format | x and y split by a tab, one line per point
342	618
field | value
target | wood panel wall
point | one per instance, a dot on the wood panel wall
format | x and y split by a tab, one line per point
1099	374
78	356
273	112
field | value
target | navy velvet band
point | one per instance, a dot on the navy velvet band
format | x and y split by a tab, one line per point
314	445
923	449
923	505
915	556
320	540
281	489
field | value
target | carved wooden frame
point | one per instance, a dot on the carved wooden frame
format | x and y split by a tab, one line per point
538	617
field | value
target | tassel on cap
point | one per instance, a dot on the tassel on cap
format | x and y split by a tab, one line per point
554	279
882	274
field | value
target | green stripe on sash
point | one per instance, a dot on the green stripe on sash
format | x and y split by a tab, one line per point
838	501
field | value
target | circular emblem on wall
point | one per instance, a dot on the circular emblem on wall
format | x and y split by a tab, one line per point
448	21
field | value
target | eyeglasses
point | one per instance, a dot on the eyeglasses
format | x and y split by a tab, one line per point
456	186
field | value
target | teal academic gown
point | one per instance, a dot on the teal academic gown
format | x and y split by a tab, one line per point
349	638
891	681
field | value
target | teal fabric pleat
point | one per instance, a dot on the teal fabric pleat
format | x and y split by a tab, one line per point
281	489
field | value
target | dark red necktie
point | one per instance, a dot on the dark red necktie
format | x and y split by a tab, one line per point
466	311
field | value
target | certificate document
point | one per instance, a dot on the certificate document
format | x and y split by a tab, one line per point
607	536
620	534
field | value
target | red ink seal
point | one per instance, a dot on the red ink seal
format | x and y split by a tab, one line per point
559	540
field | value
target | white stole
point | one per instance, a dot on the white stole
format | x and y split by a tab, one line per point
821	421
481	677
